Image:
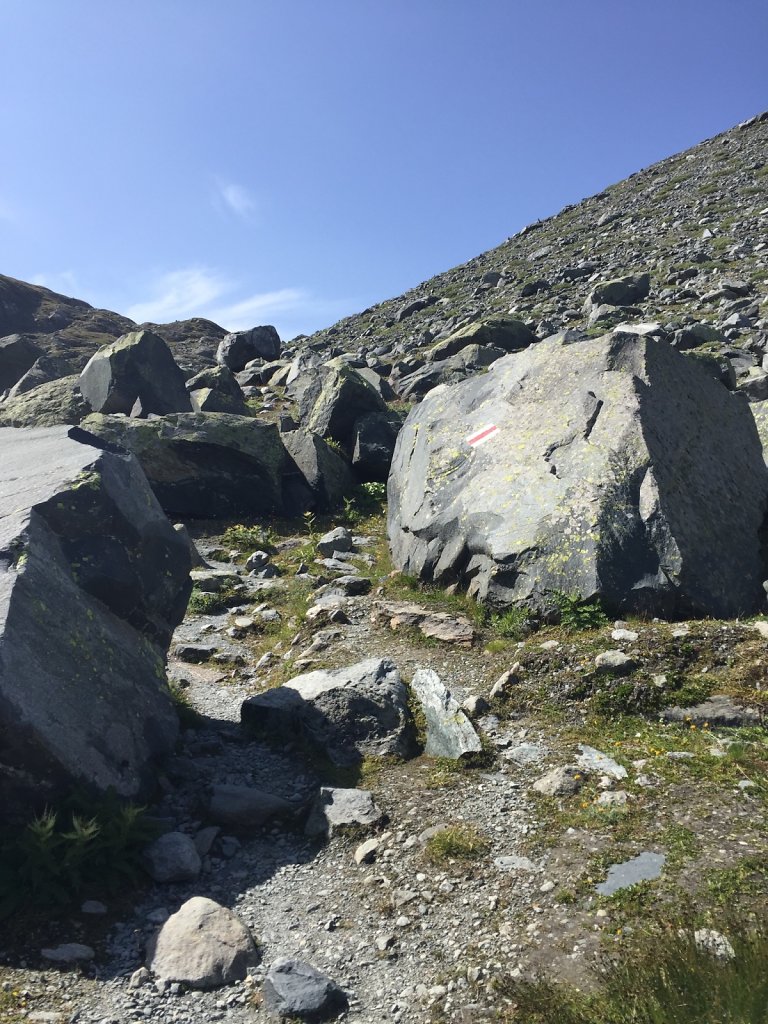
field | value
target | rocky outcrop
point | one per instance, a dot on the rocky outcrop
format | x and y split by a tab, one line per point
335	399
93	580
589	469
135	375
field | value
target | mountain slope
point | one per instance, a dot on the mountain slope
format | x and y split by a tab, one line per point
689	220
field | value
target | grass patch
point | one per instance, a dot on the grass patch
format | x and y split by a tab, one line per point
660	977
460	842
204	603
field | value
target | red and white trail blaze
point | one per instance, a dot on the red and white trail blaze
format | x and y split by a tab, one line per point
482	435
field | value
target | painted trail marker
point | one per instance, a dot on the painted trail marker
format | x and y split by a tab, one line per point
482	435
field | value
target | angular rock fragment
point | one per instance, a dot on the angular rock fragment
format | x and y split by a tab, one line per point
138	367
347	713
93	581
449	732
297	990
335	808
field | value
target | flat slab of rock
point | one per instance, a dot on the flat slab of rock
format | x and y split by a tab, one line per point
335	809
718	711
589	468
449	732
203	945
593	760
68	953
348	713
294	989
245	807
93	581
452	629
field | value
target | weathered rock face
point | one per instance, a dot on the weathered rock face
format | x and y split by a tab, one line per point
237	349
138	367
597	474
93	580
204	465
348	713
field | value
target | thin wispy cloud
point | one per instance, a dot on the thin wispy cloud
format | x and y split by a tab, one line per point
205	292
62	281
179	295
236	199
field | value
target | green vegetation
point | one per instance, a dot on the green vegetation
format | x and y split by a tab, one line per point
84	843
204	603
661	977
367	500
577	615
248	538
460	842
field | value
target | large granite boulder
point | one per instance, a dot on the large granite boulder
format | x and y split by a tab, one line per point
43	371
93	581
613	468
136	374
240	347
374	436
346	714
337	396
321	478
204	465
621	291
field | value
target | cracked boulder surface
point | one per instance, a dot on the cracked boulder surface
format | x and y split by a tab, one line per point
598	476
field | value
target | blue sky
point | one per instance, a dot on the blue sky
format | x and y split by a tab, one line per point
294	161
